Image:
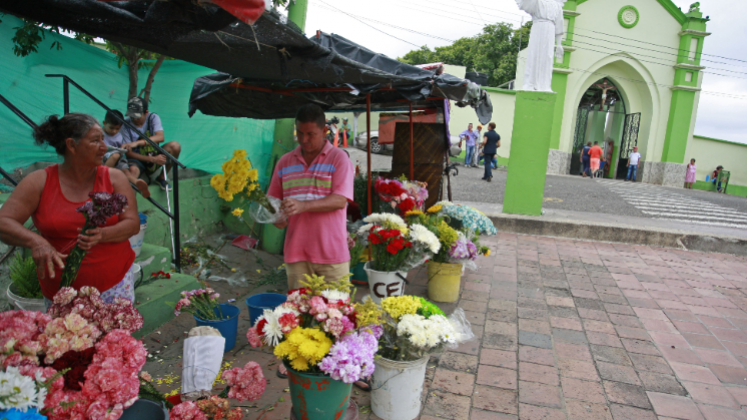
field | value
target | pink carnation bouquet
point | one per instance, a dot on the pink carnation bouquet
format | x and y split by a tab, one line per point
202	303
87	303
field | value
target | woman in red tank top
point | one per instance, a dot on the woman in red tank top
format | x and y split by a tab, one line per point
51	196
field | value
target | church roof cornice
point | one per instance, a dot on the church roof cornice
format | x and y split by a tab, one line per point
672	8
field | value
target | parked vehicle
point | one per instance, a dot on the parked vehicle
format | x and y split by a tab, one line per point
383	149
331	129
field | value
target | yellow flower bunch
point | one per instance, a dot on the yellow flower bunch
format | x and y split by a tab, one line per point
396	306
238	176
304	347
413	213
317	284
368	313
446	234
435	209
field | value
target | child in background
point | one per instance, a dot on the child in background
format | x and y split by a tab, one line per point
116	158
690	175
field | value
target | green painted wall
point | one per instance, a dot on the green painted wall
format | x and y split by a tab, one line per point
678	126
732	189
525	181
559	85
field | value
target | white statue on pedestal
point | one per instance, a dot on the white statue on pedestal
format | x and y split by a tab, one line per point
547	34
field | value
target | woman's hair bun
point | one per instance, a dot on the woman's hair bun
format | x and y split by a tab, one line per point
55	130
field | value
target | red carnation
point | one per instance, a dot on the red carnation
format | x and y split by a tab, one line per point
406	205
374	238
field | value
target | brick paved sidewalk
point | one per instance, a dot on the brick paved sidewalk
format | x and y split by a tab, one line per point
567	330
583	330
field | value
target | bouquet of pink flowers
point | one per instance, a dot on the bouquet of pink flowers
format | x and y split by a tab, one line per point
401	194
85	347
315	330
202	303
87	303
102	206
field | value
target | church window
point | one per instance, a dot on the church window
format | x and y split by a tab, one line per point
693	49
689	76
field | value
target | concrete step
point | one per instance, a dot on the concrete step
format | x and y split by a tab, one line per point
154	258
156	300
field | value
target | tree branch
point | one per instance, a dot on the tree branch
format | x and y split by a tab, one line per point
152	76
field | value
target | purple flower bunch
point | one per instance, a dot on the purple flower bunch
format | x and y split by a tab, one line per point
102	206
352	357
463	249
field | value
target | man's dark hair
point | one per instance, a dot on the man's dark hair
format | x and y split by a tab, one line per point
719	167
491	126
596	143
114	117
311	113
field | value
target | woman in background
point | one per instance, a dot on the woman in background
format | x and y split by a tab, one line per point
690	175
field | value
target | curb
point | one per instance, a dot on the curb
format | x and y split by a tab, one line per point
621	234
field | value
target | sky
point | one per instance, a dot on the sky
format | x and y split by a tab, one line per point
413	23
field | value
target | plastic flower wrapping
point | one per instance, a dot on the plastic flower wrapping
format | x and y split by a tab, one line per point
395	246
410	328
82	354
202	303
316	330
401	195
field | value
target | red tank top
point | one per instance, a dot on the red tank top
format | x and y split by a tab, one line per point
56	219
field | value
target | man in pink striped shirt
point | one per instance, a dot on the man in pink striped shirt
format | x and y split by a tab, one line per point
315	182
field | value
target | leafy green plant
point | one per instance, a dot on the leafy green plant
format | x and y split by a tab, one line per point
23	276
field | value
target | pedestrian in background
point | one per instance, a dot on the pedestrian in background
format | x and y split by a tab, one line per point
633	160
470	137
475	163
595	156
714	177
585	159
490	143
690	175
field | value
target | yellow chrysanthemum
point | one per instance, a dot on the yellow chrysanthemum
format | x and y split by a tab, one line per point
218	182
396	306
237	212
446	234
304	347
413	213
435	209
367	313
253	175
487	253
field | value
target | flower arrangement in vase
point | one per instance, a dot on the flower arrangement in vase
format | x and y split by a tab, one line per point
202	303
97	211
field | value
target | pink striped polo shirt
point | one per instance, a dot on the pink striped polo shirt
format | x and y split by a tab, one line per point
319	238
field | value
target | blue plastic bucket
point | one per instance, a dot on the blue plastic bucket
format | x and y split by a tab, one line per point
227	327
144	409
258	303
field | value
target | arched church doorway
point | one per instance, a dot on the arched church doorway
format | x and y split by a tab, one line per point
602	117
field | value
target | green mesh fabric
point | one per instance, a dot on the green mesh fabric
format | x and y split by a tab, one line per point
206	141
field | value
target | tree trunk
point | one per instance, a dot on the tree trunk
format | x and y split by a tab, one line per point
151	77
132	67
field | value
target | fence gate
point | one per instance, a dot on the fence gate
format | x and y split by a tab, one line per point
578	140
629	140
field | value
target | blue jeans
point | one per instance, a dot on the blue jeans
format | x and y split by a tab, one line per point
634	170
468	158
488	167
495	161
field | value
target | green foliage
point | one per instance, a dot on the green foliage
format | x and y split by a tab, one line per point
23	276
493	51
28	37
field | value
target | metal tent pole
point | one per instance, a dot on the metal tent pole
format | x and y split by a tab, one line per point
412	148
368	148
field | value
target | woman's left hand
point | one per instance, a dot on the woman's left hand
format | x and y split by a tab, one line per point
90	239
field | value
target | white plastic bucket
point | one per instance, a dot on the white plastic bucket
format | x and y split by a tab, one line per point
397	388
25	304
383	284
136	242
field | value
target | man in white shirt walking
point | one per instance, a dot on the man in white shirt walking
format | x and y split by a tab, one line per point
633	160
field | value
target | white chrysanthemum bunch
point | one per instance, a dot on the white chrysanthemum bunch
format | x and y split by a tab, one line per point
427	333
387	220
19	391
421	234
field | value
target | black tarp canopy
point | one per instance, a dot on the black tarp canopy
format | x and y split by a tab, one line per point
266	70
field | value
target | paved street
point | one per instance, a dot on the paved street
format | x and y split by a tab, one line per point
567	330
604	196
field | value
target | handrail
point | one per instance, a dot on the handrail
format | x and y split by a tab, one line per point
33	125
66	98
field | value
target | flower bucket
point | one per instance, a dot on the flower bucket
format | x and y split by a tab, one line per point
25	304
317	396
227	327
359	273
397	387
136	242
444	280
258	303
384	284
144	409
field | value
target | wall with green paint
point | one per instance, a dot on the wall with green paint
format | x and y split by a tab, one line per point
678	126
709	153
732	189
525	181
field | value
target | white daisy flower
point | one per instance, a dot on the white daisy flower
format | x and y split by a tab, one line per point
420	233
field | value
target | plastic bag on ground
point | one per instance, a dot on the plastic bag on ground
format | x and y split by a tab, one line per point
203	356
462	326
